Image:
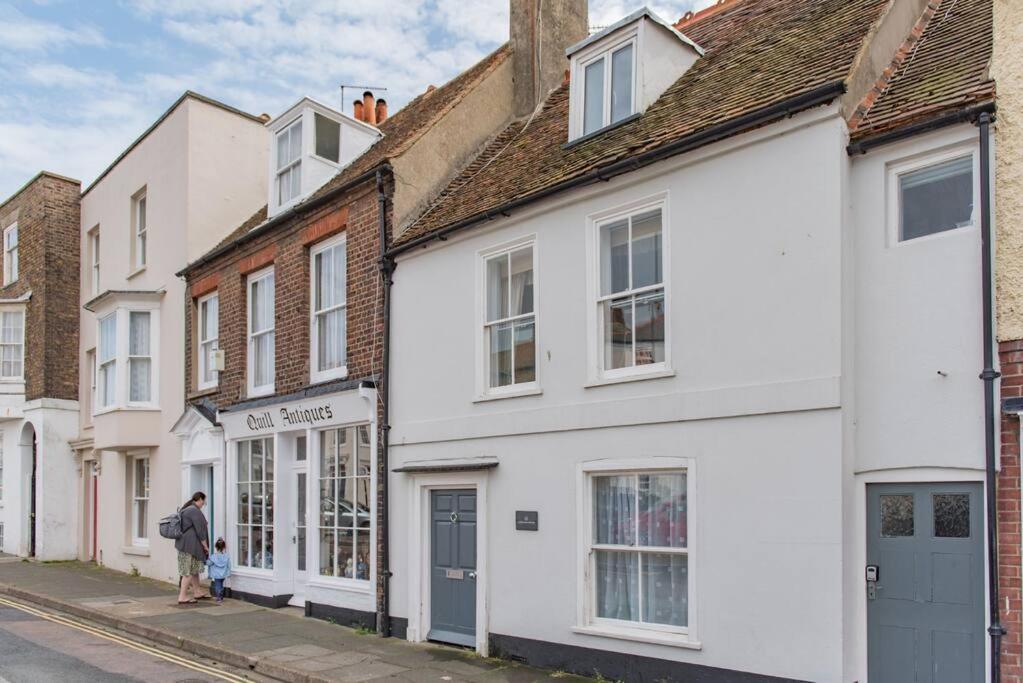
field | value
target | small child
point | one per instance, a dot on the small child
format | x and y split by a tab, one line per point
219	567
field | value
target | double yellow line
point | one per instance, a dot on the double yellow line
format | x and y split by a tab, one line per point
180	661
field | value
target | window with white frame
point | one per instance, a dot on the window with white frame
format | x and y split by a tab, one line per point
140	220
140	500
328	138
1	477
346	521
328	345
11	264
255	500
140	361
90	364
261	332
936	198
631	295
289	163
509	329
608	87
12	345
107	357
94	258
208	337
638	550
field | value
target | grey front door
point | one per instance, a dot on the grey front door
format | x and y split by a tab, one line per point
925	611
453	566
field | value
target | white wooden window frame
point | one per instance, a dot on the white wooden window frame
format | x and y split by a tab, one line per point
140	230
94	245
280	170
206	343
93	397
20	343
896	169
139	537
234	481
340	372
1	485
577	95
586	621
596	374
12	263
120	361
252	388
483	389
140	357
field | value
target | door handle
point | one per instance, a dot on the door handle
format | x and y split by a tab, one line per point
472	575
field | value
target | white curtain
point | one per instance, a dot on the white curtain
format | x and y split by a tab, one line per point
139	365
617	573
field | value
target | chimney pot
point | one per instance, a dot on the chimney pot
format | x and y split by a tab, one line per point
357	110
369	109
381	111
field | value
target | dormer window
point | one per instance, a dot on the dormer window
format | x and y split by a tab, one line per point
617	73
289	163
603	104
311	143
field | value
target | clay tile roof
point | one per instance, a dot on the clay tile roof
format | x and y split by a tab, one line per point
942	67
758	53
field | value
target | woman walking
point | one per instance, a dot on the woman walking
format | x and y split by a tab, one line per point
193	549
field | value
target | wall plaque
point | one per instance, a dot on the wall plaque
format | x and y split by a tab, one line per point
527	520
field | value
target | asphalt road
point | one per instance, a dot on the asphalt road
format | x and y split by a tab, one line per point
39	645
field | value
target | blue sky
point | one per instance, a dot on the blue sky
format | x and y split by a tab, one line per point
81	79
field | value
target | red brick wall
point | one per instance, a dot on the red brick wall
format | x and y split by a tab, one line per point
47	212
1009	584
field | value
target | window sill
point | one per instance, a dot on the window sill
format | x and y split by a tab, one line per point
631	377
141	551
203	391
600	131
640	636
517	393
252	392
137	271
329	375
12	380
129	408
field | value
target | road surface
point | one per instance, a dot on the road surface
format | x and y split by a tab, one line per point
38	645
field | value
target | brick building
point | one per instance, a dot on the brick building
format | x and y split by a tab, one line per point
285	340
38	377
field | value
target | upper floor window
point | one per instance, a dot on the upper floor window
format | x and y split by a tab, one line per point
94	259
107	372
261	333
329	310
140	229
631	298
289	163
10	254
328	138
209	334
509	325
126	375
12	345
608	88
936	198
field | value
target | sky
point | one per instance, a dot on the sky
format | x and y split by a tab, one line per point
81	79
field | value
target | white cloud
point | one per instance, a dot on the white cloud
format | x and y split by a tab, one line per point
18	32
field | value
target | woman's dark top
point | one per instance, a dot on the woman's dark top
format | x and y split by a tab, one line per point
193	524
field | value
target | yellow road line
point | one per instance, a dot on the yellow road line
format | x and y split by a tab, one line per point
180	661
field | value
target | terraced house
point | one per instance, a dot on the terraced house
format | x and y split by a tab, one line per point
286	335
692	372
39	379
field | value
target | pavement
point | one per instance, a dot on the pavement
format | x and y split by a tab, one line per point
279	643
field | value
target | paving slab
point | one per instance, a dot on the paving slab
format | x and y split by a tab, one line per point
281	643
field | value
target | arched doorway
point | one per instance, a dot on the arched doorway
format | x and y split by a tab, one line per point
29	464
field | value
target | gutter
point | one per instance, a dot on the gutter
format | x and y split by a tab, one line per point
968	115
989	375
786	108
383	395
285	216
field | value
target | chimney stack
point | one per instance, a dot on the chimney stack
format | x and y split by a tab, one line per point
381	111
540	33
369	110
357	110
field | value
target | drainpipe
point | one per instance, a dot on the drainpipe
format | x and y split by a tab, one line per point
386	270
989	375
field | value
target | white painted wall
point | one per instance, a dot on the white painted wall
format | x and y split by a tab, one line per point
200	186
755	315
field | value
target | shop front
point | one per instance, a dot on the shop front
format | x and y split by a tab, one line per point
300	502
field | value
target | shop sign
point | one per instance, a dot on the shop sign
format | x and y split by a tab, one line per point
297	415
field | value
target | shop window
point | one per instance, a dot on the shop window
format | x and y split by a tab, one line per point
255	500
345	518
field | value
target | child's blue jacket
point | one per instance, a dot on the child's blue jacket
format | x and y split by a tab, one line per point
219	565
